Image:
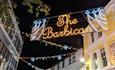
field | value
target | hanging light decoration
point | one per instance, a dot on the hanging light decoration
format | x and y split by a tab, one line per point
59	57
32	59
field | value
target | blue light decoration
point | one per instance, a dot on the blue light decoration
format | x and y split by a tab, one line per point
38	27
97	19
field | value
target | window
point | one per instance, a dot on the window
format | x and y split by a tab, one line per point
8	24
1	46
3	51
58	67
112	48
18	45
74	58
113	45
92	36
69	59
63	64
11	34
16	37
103	57
95	62
7	55
99	34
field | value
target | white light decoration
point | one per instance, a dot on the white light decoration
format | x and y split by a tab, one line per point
59	57
29	64
82	60
33	66
97	15
46	44
32	59
36	58
36	68
38	28
65	47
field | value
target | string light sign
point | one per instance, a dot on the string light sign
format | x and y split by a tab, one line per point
69	24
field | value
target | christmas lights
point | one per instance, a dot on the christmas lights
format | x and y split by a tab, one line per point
59	57
38	28
97	19
33	59
67	22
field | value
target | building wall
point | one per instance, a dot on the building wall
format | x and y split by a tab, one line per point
10	39
105	41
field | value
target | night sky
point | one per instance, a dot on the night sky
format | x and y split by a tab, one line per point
37	48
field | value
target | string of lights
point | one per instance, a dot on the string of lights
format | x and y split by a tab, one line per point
30	64
66	47
59	57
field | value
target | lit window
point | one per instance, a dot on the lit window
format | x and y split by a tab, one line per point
95	62
103	57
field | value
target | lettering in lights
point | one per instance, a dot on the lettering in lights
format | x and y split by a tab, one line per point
48	32
95	17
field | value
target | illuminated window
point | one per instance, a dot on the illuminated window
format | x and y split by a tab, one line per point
103	57
99	34
95	64
113	45
92	36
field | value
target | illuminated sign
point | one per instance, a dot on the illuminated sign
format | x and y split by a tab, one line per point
69	24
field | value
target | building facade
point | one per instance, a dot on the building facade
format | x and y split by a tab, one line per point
10	38
99	47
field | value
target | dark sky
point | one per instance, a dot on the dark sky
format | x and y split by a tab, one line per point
37	48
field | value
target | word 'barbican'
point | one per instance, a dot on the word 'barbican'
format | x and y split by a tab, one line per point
64	20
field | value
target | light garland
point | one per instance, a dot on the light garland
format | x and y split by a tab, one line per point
38	26
97	18
30	64
58	45
51	43
59	57
54	44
